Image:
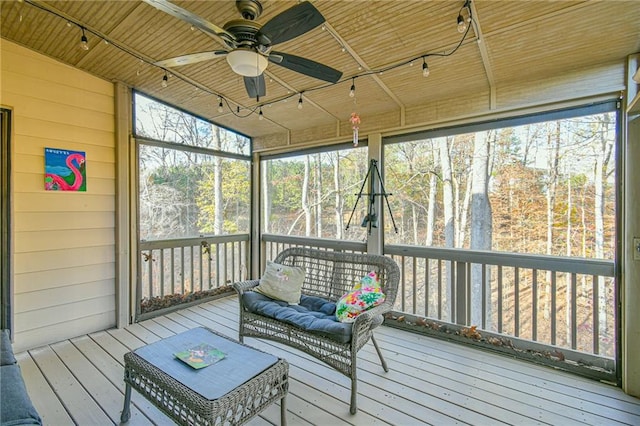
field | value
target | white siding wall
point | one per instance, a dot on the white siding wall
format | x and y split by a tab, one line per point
64	242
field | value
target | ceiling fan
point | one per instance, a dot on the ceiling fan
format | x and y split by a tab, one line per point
249	44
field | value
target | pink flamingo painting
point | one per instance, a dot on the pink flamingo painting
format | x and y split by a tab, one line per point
58	174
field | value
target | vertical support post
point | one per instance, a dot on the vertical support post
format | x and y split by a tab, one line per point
462	295
630	224
123	278
375	240
257	250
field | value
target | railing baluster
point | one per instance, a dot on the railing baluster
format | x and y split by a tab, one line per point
402	283
161	272
468	293
217	265
534	305
596	314
574	311
233	262
553	307
173	270
516	301
193	286
182	274
209	260
483	294
200	267
439	289
225	264
415	290
426	286
500	298
150	261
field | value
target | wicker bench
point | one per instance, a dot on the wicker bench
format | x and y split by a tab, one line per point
329	275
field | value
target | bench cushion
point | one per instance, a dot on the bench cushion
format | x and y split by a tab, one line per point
312	314
6	352
17	408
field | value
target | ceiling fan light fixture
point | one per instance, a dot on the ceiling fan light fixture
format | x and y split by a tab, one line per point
247	62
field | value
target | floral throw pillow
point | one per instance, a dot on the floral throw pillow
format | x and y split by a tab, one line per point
365	295
282	282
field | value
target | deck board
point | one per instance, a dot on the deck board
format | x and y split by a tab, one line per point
44	397
80	405
79	381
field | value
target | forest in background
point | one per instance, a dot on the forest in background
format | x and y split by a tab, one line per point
541	188
545	188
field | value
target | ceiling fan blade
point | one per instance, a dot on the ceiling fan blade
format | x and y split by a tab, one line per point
180	13
306	66
255	86
289	24
190	59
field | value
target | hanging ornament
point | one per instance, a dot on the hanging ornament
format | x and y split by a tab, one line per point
355	125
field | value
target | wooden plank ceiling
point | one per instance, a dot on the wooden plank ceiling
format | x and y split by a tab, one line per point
509	41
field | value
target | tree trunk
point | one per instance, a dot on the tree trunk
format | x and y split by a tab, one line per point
319	196
305	197
433	192
449	231
414	219
602	160
553	153
481	223
462	225
339	199
266	197
218	221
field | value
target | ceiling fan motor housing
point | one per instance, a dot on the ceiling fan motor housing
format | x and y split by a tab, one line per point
249	9
244	32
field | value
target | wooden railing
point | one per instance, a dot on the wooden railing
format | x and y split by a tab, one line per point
189	265
559	301
273	244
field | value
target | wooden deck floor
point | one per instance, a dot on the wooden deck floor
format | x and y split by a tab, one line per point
79	381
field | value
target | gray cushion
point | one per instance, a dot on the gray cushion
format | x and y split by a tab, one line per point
17	408
6	352
313	314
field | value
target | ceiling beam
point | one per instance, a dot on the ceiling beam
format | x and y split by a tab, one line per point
364	66
484	54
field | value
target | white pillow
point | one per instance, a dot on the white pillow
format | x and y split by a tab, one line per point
282	282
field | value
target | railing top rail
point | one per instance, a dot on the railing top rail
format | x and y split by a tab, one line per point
577	265
185	242
316	242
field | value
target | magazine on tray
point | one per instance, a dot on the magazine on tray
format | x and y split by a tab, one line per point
200	356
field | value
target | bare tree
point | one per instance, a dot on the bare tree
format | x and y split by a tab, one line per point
481	221
604	149
339	198
318	185
305	196
266	196
447	200
218	221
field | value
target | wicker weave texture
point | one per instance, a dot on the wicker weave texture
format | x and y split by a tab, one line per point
188	407
331	274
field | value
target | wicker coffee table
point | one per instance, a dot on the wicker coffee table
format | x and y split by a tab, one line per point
231	391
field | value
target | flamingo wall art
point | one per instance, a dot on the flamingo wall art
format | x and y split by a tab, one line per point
64	170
